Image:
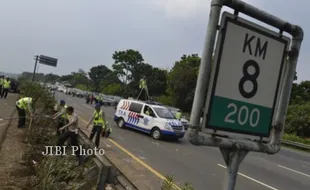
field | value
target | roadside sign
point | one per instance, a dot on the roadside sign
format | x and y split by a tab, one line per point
48	61
248	66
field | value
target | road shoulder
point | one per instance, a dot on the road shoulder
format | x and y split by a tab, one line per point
14	175
138	174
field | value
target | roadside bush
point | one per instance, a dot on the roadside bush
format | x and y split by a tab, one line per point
167	100
292	137
42	98
50	172
169	184
298	120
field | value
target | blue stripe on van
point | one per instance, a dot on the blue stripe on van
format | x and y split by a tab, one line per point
115	118
164	132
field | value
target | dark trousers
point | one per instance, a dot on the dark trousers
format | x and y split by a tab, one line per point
96	131
4	93
143	96
60	124
1	87
21	117
73	140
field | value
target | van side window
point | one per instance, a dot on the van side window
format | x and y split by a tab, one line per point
135	107
148	111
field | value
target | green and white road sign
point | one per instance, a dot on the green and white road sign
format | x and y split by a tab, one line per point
249	63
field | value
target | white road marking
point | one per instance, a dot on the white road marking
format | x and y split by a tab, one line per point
252	179
155	143
142	158
298	172
307	162
2	124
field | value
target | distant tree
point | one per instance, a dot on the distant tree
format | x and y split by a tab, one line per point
182	81
125	63
300	93
98	74
113	89
28	76
67	78
51	78
157	82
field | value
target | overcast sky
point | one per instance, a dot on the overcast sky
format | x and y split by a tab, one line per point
85	33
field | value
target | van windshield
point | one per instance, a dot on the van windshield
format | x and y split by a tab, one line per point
164	113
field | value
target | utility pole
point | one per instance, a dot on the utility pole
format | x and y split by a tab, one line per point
36	58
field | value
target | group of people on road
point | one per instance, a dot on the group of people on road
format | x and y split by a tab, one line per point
5	85
67	122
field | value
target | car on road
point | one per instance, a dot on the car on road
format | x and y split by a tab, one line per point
183	119
156	120
105	101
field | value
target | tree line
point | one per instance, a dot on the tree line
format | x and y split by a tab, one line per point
174	87
298	116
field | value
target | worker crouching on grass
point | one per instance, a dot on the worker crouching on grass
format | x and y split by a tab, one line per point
99	124
72	133
24	105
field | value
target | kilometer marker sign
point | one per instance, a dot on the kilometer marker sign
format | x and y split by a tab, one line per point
246	82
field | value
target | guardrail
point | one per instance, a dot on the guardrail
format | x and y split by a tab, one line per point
104	172
296	144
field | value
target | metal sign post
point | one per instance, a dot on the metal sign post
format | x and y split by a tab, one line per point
36	58
45	61
246	92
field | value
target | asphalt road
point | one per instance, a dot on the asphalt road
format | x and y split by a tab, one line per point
203	166
6	108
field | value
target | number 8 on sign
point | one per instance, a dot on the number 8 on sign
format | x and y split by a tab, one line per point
249	77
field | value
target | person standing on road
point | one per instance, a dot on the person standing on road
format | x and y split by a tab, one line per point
23	105
61	115
99	124
92	98
178	115
144	89
72	133
1	83
6	87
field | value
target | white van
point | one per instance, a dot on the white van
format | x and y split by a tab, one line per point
160	122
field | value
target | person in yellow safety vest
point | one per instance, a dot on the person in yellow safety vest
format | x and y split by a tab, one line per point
142	84
99	124
143	87
178	115
6	87
61	115
149	112
23	105
97	99
1	84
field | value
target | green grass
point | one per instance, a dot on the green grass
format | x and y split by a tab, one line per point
169	184
292	137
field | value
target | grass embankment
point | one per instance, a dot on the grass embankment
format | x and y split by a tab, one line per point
50	172
292	137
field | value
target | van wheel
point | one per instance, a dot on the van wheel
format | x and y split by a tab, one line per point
120	123
156	134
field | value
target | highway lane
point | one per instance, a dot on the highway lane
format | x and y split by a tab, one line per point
204	166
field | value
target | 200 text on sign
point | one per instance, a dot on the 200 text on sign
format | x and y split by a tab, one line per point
247	77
